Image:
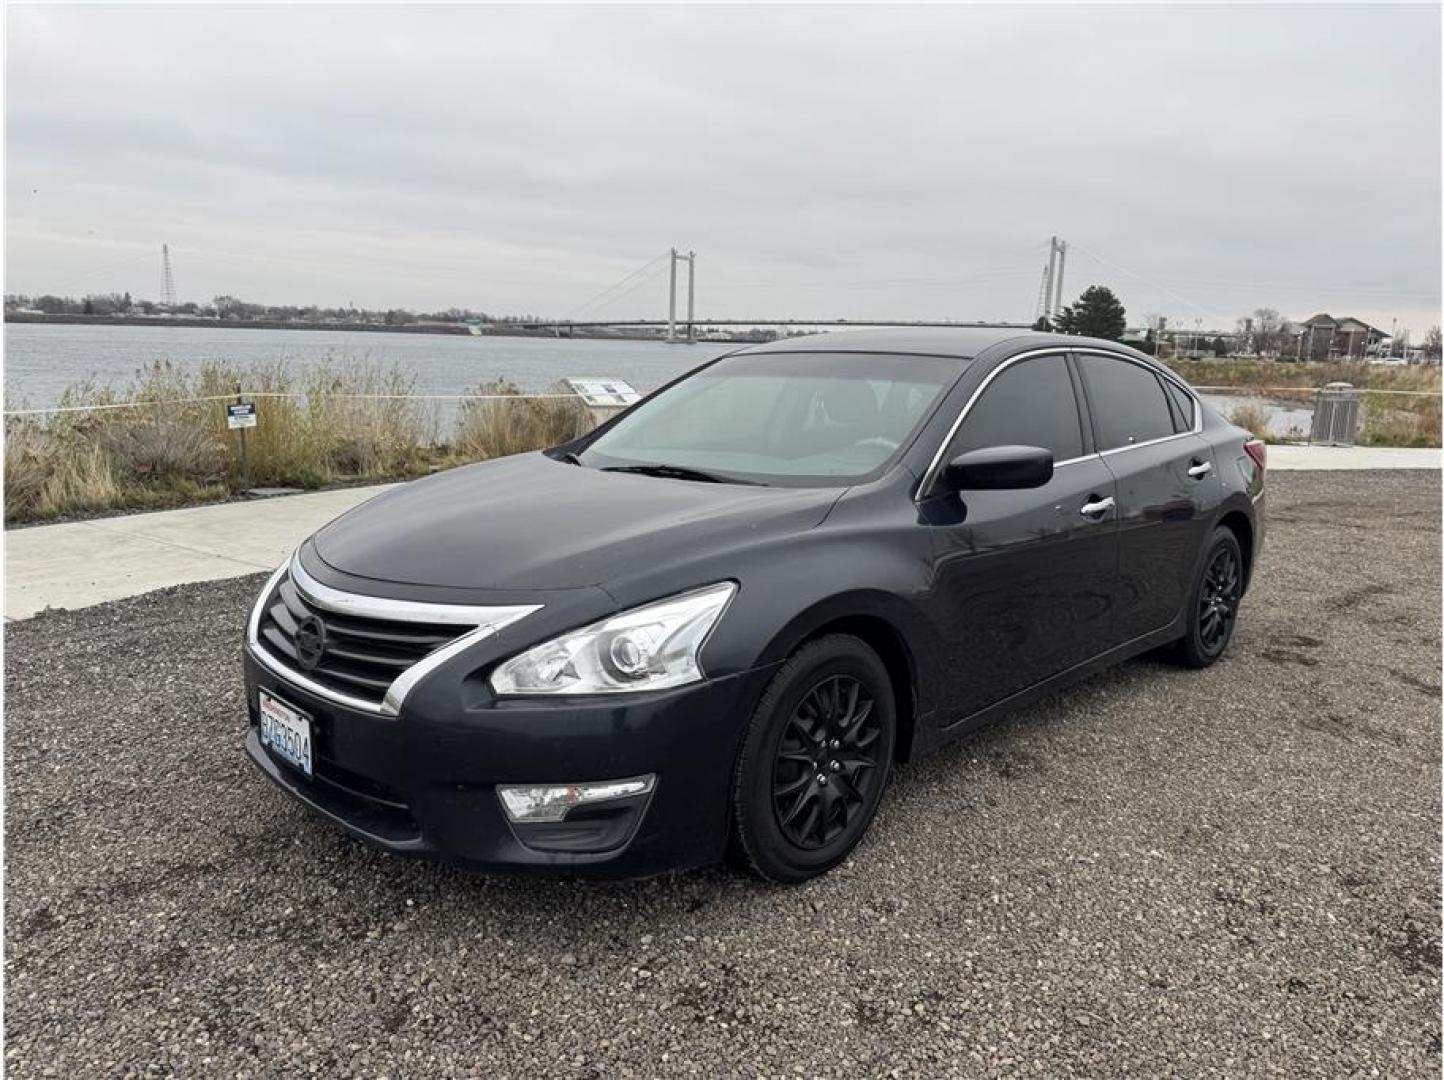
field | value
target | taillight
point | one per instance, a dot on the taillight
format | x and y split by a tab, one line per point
1256	449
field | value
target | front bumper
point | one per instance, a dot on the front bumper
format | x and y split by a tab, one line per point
424	783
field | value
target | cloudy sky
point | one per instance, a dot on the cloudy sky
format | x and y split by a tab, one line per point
824	162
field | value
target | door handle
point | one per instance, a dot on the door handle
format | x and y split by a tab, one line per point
1093	509
1200	469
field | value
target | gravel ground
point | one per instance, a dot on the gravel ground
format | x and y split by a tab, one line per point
1225	872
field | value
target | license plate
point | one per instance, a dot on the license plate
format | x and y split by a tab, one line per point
286	732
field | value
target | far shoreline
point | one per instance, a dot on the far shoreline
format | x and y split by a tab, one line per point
444	329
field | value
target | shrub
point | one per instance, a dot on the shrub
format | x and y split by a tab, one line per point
160	444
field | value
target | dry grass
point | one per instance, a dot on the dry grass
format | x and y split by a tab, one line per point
357	423
81	481
489	425
1411	418
1394	420
1262	373
27	462
1253	417
352	423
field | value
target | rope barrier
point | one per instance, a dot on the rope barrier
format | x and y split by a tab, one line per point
59	409
1306	390
276	394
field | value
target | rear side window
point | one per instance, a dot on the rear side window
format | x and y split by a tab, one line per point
1182	405
1030	403
1127	401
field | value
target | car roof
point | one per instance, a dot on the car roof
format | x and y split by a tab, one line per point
955	342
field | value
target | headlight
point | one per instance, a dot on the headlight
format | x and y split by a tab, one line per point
647	648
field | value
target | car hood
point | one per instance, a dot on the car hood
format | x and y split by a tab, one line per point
531	522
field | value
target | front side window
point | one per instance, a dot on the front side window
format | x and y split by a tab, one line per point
1127	402
1030	403
781	418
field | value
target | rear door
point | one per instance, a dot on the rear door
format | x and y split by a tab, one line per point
1144	428
1024	579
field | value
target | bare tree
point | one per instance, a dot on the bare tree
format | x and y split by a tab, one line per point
1269	330
1433	341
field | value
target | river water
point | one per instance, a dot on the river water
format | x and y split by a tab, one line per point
41	360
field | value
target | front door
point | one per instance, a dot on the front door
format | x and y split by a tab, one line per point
1025	579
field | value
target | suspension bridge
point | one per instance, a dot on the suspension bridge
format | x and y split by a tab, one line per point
681	327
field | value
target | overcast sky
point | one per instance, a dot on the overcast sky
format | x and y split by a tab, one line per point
823	161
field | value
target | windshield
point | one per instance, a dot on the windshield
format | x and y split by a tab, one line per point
780	418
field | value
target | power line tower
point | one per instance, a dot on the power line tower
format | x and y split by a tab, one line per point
167	279
691	260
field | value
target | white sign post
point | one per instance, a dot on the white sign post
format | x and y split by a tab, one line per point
239	416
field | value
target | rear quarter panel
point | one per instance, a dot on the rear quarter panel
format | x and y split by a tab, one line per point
1240	478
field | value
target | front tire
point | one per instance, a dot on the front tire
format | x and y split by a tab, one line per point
1213	602
814	761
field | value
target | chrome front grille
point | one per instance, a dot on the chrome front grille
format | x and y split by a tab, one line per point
357	656
364	652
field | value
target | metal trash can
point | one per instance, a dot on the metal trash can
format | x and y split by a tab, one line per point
1336	415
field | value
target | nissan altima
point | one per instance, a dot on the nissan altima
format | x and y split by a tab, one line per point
713	625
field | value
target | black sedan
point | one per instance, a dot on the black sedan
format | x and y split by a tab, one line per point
713	625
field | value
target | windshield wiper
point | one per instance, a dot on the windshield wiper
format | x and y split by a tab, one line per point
675	472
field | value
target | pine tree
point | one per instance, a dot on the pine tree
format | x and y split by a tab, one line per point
1097	313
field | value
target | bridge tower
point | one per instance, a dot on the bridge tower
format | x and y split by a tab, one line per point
691	260
1052	291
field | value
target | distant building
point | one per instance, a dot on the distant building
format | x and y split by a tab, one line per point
1324	337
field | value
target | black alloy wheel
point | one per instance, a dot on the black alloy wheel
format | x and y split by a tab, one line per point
826	762
814	761
1218	599
1215	601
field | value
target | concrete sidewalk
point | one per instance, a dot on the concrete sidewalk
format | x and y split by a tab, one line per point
1351	457
80	563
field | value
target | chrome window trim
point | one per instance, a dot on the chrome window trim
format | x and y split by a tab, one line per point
1061	350
1146	442
930	474
474	622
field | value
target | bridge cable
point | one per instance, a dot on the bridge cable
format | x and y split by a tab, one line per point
643	269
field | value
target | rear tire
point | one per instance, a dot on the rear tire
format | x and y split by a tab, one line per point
814	761
1213	601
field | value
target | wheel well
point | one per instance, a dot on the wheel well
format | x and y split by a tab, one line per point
880	636
1237	521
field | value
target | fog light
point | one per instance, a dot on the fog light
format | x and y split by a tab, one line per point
525	802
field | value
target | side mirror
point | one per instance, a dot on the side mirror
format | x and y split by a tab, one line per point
1000	468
